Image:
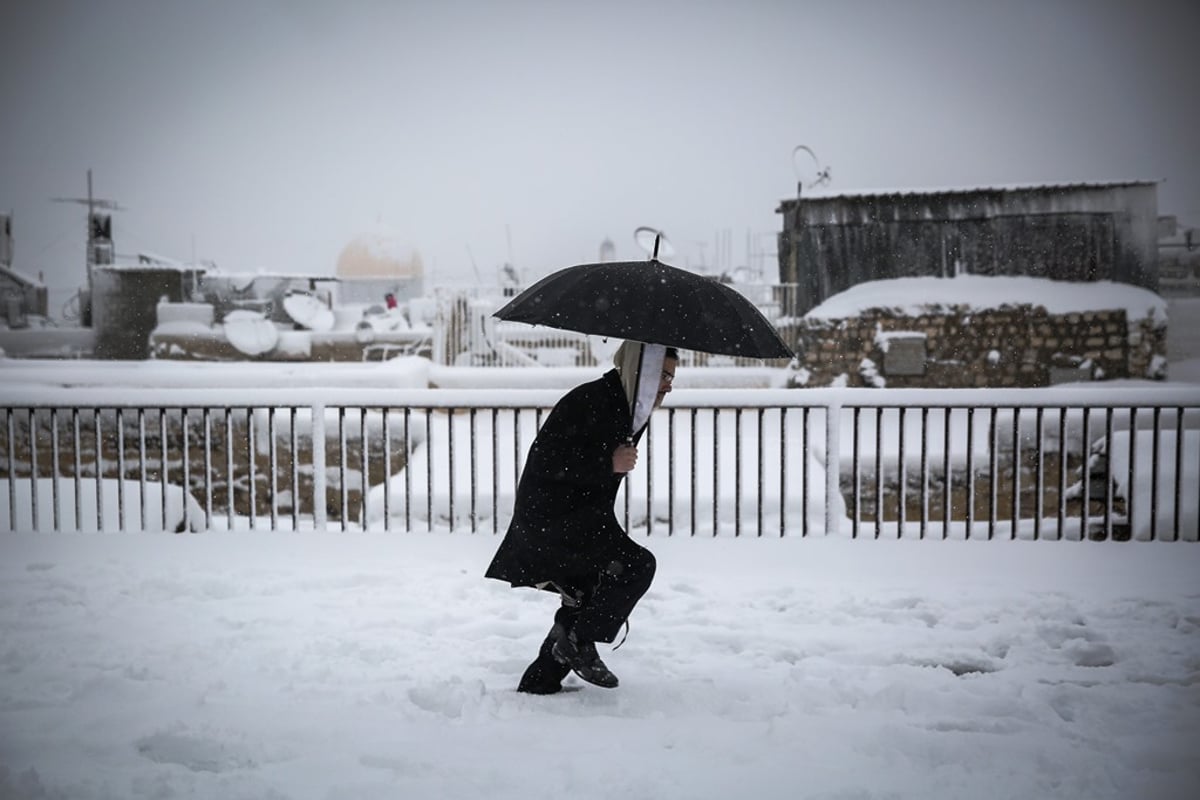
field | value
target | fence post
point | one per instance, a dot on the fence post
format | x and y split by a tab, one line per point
318	464
833	466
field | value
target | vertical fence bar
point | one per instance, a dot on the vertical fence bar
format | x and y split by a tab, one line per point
901	479
692	471
855	473
365	464
1062	471
762	476
343	484
947	474
273	467
737	472
320	509
408	449
449	466
163	472
121	521
716	469
54	469
429	450
1086	448
1131	486
833	465
387	468
516	448
229	478
208	468
471	424
1016	478
99	470
496	470
878	471
970	511
250	468
294	444
993	471
143	492
1038	472
77	459
670	472
12	470
1178	471
1108	473
924	472
187	468
803	465
1157	431
33	469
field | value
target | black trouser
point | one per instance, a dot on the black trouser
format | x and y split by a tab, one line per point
614	594
604	603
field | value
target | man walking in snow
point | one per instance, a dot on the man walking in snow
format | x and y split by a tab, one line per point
564	536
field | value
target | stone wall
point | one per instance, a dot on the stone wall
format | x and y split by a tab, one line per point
1019	346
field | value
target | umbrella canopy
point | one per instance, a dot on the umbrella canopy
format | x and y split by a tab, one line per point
648	301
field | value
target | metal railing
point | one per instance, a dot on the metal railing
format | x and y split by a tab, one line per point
464	333
1057	463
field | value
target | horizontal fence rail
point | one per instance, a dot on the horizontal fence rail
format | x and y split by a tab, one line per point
1057	463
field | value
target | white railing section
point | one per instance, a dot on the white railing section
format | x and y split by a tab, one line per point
1056	463
464	333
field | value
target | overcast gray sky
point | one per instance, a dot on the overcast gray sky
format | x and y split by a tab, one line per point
268	134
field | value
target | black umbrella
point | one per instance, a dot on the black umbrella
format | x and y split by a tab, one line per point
648	301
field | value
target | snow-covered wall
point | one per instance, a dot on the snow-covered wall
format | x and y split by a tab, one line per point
962	348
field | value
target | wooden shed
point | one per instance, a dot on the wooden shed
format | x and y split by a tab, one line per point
1075	232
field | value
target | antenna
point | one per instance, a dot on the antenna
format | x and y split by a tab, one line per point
92	204
474	266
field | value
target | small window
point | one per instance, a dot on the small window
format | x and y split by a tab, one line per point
905	354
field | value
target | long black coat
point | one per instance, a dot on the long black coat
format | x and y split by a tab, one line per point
563	523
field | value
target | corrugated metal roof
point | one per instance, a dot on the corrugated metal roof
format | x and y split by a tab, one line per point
826	194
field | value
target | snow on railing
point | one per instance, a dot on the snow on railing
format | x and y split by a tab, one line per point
1057	463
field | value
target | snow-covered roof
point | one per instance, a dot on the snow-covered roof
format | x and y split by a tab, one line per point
829	194
20	277
916	296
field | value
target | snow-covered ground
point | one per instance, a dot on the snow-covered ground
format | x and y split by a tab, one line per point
383	666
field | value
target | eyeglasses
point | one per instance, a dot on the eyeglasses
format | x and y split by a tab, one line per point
668	378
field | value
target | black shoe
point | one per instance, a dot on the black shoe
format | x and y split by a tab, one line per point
545	675
583	659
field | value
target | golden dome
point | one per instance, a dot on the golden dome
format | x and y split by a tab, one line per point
379	255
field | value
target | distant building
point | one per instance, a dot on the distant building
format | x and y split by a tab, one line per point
20	298
1178	258
124	304
1076	232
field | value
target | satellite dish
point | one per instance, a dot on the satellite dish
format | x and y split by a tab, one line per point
809	172
250	332
364	332
652	239
308	311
